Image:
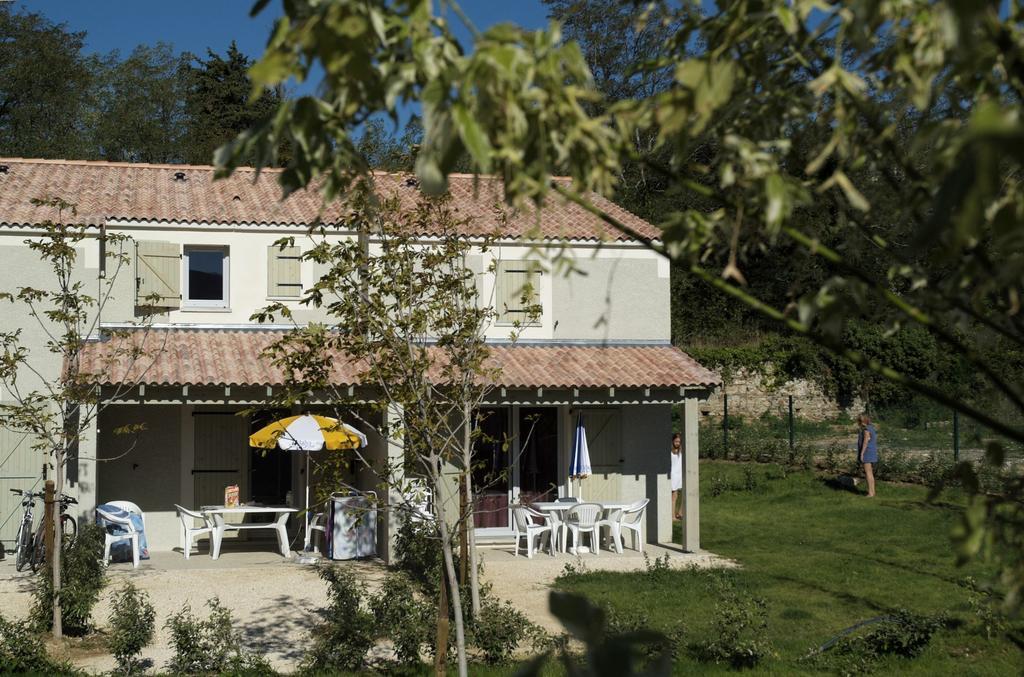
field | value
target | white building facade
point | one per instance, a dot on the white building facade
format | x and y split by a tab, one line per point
600	348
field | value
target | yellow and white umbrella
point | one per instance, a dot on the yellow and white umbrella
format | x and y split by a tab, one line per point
308	433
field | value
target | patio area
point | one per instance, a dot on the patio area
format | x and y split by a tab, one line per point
275	601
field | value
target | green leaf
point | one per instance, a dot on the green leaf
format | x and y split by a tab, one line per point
853	196
258	7
775	194
787	18
473	137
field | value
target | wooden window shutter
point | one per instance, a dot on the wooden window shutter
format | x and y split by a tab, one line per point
284	272
512	280
157	274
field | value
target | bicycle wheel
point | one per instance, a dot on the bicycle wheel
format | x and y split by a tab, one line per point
23	548
68	529
39	550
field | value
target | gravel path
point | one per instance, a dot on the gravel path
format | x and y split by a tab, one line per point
276	602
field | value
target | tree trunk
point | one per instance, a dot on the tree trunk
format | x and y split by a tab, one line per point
453	578
441	654
467	462
58	538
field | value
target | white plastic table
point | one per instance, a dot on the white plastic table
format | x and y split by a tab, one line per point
557	509
221	525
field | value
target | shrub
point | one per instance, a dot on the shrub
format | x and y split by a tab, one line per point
904	634
418	554
719	485
573	571
22	650
210	645
658	569
341	642
403	618
132	621
935	470
82	578
499	629
633	623
750	481
739	629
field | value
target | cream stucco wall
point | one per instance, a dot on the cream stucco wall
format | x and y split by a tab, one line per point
590	291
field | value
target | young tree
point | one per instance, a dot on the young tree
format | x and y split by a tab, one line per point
407	313
56	409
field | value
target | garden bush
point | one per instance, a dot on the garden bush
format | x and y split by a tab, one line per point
739	628
418	554
211	645
636	622
904	634
22	651
500	629
82	579
132	622
401	616
340	643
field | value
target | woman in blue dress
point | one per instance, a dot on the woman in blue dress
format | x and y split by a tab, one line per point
867	450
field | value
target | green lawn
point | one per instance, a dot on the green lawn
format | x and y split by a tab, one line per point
823	559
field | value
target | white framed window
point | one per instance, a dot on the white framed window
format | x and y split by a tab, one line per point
206	277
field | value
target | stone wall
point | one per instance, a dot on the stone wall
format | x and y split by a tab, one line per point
751	395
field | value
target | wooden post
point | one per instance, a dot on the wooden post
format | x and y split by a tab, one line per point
441	654
463	532
47	525
691	477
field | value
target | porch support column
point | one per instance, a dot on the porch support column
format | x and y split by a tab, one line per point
85	489
394	458
691	477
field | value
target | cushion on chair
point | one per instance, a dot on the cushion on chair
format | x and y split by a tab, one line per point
121	551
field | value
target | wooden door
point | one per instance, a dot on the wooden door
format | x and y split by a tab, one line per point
221	444
604	439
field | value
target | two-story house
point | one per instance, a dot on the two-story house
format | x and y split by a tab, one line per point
601	346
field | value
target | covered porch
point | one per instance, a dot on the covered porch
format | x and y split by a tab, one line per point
173	434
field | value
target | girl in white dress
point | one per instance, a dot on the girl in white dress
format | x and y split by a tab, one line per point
676	475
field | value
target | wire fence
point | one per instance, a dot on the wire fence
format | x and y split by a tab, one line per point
733	430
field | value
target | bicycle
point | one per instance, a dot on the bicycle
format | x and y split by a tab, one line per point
68	530
24	543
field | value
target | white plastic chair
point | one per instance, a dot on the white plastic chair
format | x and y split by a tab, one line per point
109	538
583	518
128	506
633	520
189	530
315	526
612	520
525	526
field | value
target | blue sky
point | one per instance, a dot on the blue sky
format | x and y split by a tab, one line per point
195	25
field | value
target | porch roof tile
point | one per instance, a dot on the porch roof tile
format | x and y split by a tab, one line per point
206	357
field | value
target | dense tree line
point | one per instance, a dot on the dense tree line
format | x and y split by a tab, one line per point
153	105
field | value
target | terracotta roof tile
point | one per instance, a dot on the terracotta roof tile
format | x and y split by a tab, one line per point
233	357
104	191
